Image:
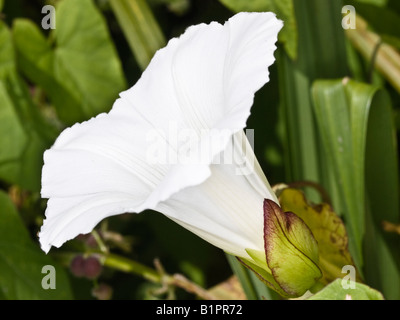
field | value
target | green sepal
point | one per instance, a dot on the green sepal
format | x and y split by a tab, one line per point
291	250
262	274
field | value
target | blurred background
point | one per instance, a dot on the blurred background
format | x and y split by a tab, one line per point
329	117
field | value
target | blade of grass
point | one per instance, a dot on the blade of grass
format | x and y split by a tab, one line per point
140	28
383	199
356	126
244	277
335	127
321	53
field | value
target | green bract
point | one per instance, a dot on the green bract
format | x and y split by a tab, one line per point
290	262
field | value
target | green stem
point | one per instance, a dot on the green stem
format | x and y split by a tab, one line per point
387	59
127	265
177	280
99	241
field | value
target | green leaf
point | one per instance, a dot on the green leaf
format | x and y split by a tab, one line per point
13	138
336	291
77	66
379	3
284	10
22	140
321	54
141	29
356	126
327	228
36	60
7	58
24	134
21	261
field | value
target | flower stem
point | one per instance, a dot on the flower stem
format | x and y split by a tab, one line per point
127	265
177	280
99	241
157	275
384	56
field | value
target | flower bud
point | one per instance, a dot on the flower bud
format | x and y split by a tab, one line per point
102	292
289	264
291	250
92	267
77	266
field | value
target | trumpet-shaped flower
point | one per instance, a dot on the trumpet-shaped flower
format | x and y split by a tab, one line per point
173	143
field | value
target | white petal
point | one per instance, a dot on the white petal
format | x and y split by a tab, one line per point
251	51
227	209
79	215
208	77
202	81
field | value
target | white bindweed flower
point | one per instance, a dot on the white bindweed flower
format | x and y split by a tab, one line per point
190	106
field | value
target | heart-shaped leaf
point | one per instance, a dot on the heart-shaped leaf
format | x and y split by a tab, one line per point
77	66
22	262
